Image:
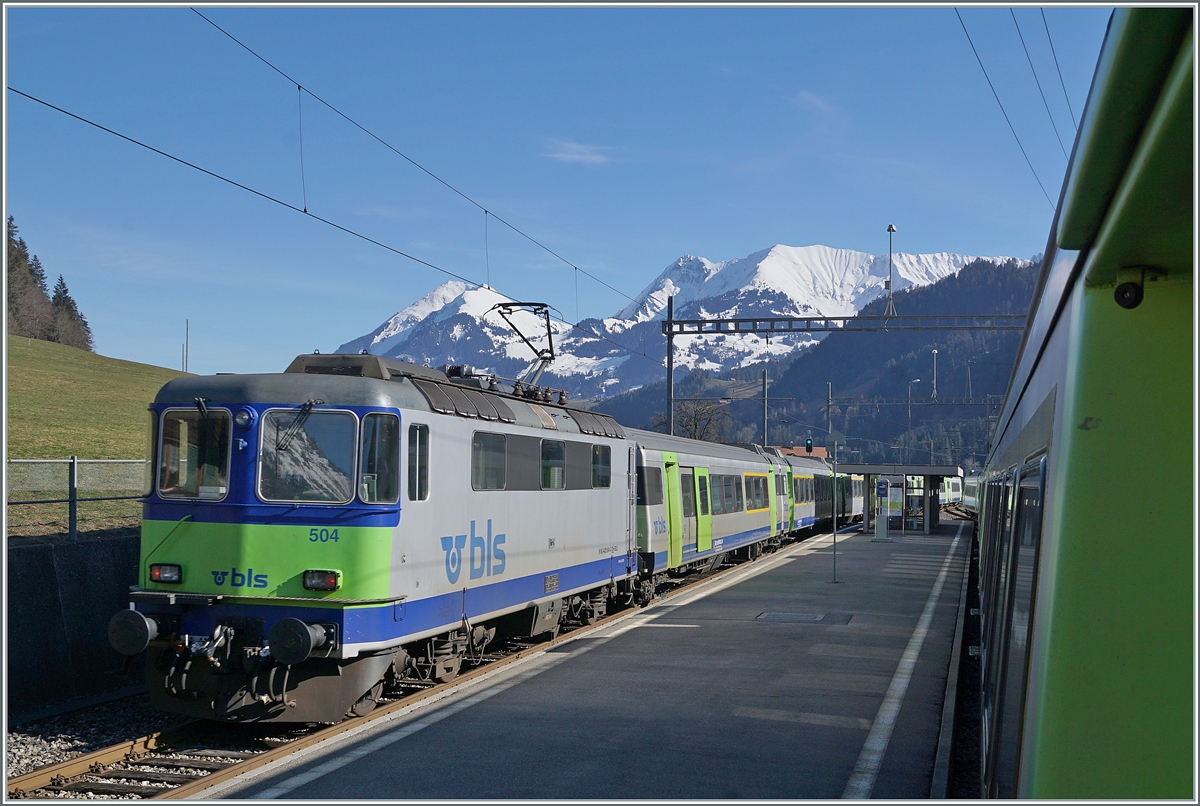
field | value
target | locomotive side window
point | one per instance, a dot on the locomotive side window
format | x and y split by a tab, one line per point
379	459
307	456
418	462
649	486
488	455
194	459
554	464
151	444
601	466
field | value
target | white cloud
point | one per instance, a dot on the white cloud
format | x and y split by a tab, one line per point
567	151
810	99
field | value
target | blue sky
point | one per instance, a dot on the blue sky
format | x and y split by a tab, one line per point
620	138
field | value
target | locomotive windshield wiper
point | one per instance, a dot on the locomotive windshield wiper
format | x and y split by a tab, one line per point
282	441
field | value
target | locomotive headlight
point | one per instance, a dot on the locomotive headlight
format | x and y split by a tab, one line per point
321	580
244	418
166	572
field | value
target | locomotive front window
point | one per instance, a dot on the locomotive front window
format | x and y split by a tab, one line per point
194	459
307	456
379	459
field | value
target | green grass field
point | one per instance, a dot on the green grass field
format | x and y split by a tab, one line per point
64	401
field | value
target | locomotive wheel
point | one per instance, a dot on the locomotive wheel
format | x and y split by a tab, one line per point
367	702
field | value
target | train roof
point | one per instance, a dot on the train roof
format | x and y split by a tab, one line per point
369	380
664	442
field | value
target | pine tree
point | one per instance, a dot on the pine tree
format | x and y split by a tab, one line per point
29	310
39	274
70	326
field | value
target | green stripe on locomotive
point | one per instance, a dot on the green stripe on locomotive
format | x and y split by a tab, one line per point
275	557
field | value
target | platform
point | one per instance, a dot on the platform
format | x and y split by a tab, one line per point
771	682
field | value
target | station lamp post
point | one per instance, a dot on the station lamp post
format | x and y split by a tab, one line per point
934	395
909	450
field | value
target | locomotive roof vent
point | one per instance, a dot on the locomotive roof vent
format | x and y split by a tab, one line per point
361	366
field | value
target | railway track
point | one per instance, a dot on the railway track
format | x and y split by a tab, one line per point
185	760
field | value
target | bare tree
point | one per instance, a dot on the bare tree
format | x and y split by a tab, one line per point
695	419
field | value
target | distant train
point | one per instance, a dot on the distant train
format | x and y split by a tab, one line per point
310	535
1087	555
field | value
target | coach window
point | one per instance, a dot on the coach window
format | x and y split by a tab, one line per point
601	466
418	462
687	490
488	456
649	486
718	500
194	459
554	465
307	456
702	499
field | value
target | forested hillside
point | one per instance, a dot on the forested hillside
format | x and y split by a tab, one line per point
35	312
876	365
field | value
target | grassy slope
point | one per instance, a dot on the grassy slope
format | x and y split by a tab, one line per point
64	401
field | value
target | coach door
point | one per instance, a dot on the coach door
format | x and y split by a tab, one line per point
674	503
687	496
703	512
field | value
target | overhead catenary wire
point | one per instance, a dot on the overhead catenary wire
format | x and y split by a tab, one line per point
413	162
1006	118
1059	69
311	215
1033	70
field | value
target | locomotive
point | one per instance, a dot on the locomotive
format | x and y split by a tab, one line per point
312	535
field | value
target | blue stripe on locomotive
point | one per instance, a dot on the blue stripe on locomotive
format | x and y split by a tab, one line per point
377	624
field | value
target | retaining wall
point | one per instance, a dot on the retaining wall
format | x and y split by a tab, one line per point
61	595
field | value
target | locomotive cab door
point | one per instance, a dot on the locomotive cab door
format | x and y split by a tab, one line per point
703	512
674	502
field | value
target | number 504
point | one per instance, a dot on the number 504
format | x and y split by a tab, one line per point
323	535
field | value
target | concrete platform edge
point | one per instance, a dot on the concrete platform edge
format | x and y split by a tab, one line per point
941	766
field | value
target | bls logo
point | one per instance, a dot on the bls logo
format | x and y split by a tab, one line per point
486	556
660	526
239	580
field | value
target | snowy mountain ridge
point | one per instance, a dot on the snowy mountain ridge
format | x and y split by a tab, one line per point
451	325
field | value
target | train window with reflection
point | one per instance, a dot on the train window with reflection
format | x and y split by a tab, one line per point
193	461
718	499
307	456
488	461
151	444
554	464
687	494
418	462
649	486
379	459
601	466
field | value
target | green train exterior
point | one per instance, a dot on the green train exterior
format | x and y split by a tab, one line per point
1087	553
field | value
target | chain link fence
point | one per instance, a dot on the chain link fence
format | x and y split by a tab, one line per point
56	496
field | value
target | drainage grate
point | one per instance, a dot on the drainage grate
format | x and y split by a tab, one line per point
805	618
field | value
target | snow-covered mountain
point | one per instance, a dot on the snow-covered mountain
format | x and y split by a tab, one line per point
600	358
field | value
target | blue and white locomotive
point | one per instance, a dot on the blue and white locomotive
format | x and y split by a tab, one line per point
310	535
